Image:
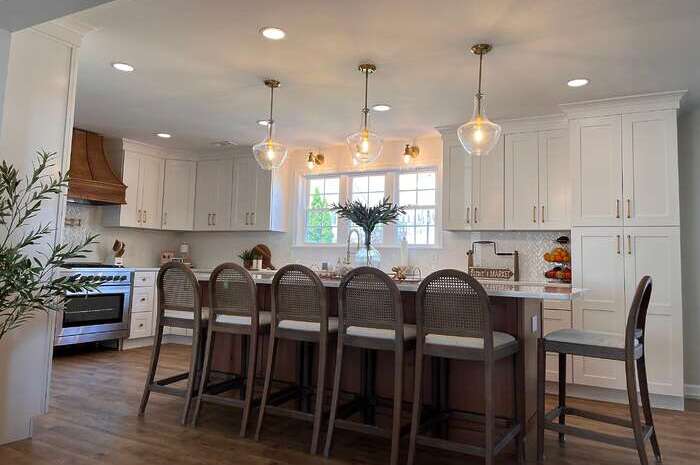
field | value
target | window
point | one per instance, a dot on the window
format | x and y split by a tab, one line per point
370	190
417	194
415	190
321	224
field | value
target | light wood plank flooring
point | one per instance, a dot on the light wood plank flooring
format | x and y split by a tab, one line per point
95	397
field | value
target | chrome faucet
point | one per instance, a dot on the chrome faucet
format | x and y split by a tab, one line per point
347	249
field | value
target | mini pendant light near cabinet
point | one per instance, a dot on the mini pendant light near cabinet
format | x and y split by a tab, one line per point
479	136
365	146
268	153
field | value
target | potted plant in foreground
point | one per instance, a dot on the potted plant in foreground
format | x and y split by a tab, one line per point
368	218
28	284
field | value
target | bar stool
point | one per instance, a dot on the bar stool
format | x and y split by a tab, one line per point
630	350
179	306
370	317
299	313
454	321
234	310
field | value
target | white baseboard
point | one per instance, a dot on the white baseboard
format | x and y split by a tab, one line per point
692	391
617	396
148	341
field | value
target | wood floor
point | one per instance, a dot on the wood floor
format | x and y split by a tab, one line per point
95	397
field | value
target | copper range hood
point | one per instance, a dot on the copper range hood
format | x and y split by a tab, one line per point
91	177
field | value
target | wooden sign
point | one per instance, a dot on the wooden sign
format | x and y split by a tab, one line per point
491	273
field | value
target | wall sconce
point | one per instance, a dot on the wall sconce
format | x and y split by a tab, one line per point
314	160
410	153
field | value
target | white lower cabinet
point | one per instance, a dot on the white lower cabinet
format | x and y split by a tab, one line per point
143	300
609	262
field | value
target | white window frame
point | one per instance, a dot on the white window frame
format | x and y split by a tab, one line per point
390	239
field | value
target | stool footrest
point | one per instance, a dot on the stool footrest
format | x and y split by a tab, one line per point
172	379
155	387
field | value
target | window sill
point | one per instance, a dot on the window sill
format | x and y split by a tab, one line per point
380	247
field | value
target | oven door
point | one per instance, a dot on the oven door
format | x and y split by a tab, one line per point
102	311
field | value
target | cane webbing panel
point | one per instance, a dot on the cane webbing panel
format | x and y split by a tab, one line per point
298	296
232	292
178	290
368	302
452	305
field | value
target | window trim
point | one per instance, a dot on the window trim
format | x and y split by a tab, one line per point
391	188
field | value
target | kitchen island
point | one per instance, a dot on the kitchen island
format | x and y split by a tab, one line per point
517	310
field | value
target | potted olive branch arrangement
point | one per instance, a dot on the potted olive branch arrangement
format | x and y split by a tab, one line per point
368	218
28	283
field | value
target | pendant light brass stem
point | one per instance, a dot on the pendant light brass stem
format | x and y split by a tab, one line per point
272	84
367	69
481	50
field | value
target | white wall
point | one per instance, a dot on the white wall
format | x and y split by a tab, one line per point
4	56
38	113
689	168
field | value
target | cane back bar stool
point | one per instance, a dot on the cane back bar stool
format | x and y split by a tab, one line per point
454	321
370	317
299	313
179	306
630	350
234	310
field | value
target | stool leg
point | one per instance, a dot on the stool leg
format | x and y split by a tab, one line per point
644	392
398	402
155	354
336	394
634	410
269	370
194	362
562	394
245	353
541	360
489	412
320	389
206	368
249	383
417	401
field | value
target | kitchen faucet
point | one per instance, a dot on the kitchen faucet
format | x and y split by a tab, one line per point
347	249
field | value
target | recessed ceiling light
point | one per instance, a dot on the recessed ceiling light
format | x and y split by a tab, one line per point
381	107
579	82
163	135
124	67
273	33
263	122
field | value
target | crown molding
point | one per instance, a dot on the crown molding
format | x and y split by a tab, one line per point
68	30
630	104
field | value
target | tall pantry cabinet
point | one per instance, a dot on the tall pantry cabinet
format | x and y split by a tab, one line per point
625	224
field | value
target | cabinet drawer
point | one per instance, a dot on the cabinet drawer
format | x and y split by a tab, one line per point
144	279
141	325
557	305
142	300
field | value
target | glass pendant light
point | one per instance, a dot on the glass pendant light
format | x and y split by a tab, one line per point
268	153
365	146
479	136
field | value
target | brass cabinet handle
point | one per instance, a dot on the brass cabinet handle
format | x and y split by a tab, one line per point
476	215
252	218
618	244
165	219
629	208
617	208
629	244
468	215
208	219
145	217
542	218
138	216
534	214
247	215
213	219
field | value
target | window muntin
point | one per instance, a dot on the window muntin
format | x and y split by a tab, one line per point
370	189
320	223
417	194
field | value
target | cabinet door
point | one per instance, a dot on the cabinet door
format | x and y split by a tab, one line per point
260	217
522	173
151	180
222	200
656	252
245	193
457	192
596	170
650	157
130	214
554	179
205	195
487	189
598	266
178	195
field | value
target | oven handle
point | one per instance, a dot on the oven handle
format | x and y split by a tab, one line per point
101	290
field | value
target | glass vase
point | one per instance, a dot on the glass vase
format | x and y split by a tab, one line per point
368	256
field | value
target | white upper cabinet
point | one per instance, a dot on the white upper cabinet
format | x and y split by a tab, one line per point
624	161
537	192
143	176
259	202
472	196
650	168
178	195
213	195
596	175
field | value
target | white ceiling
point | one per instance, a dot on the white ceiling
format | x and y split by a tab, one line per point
19	14
200	65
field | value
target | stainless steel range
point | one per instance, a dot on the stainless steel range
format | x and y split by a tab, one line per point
99	315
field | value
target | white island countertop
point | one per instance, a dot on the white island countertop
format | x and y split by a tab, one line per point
516	290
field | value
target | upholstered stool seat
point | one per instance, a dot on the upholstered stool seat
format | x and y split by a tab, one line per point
184	315
264	318
589	338
409	332
311	326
